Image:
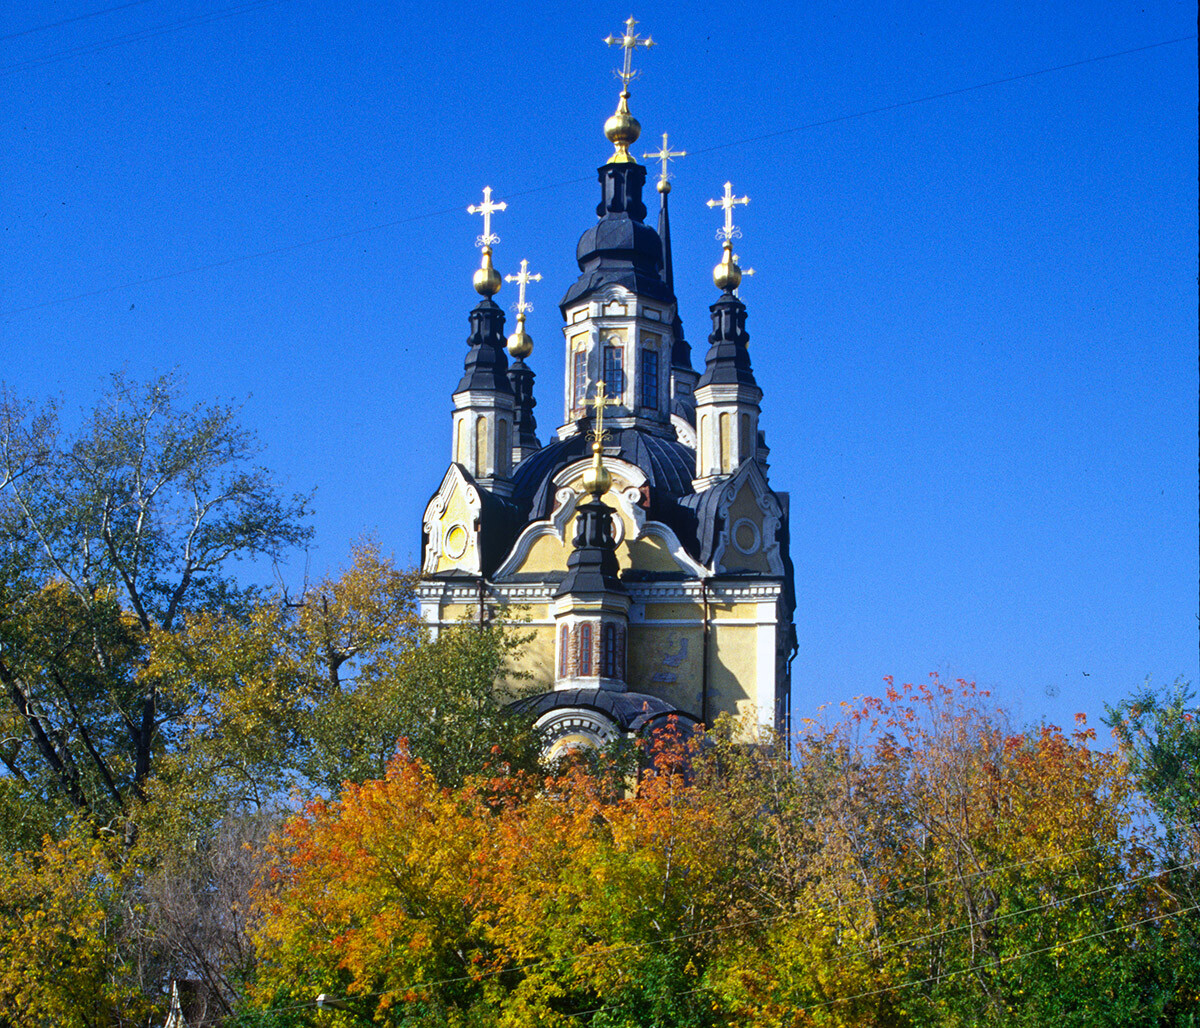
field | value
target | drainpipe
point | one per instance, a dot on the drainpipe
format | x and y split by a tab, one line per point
704	655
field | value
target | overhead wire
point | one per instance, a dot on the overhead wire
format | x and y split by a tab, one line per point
141	34
605	951
444	211
900	986
71	21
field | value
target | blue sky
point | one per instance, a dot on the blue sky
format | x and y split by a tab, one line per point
974	317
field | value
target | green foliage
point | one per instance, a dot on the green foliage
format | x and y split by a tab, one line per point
107	538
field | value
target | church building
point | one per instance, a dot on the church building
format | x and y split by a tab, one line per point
642	540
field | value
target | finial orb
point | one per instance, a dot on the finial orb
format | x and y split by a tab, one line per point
597	480
622	130
663	186
727	274
520	343
486	279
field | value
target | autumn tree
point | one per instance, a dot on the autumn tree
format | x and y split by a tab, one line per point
107	536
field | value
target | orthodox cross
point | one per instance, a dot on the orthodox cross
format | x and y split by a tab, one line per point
628	42
487	208
664	155
598	403
523	278
728	201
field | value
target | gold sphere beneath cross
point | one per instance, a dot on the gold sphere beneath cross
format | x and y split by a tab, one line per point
520	343
727	274
622	130
597	480
486	279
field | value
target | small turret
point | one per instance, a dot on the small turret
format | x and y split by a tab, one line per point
483	401
591	606
727	396
520	375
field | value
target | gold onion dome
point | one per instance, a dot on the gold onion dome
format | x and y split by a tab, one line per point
520	344
486	279
622	130
727	274
597	480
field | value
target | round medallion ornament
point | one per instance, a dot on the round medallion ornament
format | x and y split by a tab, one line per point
746	537
456	541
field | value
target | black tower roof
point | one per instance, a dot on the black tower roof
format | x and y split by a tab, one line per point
620	249
486	364
728	360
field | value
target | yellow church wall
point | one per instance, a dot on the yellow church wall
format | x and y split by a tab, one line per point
456	512
648	554
673	611
746	506
546	554
733	669
665	661
536	659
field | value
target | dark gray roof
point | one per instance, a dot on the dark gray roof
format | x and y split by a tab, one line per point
632	711
667	464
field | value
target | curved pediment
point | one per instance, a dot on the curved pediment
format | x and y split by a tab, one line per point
642	545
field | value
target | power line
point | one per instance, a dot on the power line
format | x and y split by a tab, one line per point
275	251
141	34
951	974
718	929
71	21
948	93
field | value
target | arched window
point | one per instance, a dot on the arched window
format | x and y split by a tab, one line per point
585	649
725	443
745	447
564	651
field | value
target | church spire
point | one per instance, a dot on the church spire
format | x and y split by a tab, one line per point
683	376
520	375
623	128
727	396
483	400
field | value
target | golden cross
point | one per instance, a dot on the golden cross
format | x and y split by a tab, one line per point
599	402
523	278
487	208
664	155
728	201
629	41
